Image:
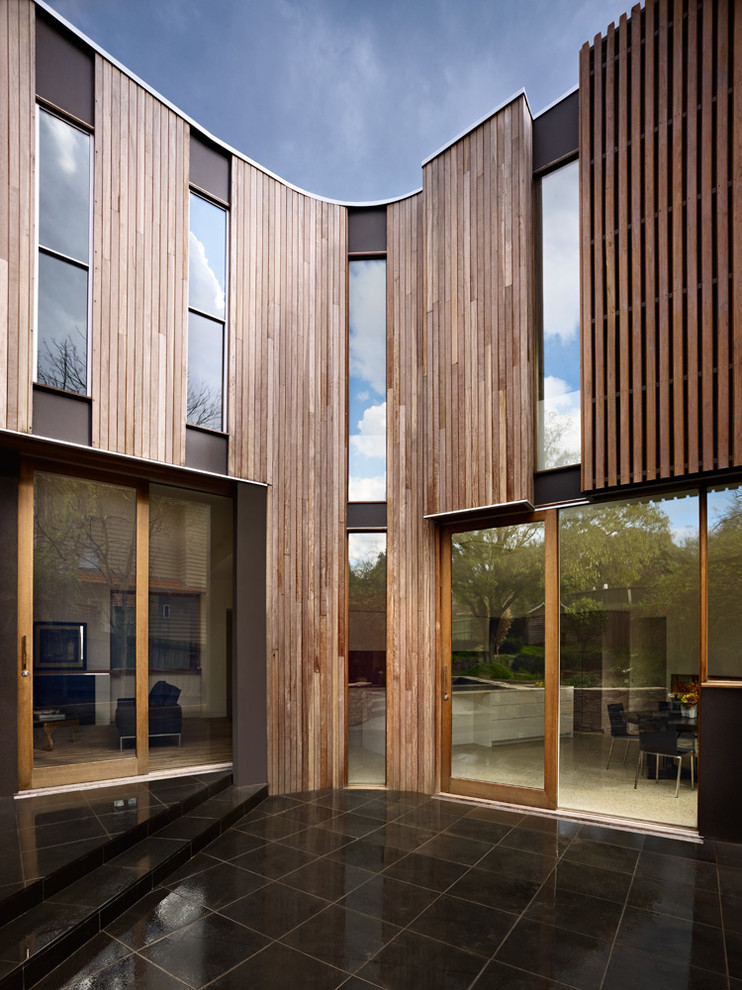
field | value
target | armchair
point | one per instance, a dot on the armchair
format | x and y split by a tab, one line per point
165	714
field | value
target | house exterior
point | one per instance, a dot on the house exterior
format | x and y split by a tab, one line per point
401	494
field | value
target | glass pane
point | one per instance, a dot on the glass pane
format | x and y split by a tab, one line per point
84	585
367	658
559	379
207	265
63	325
64	187
629	593
497	655
190	628
367	382
205	372
725	583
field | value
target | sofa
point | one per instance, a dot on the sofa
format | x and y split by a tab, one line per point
165	714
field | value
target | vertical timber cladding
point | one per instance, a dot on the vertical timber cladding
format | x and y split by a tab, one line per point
477	198
17	210
410	537
140	271
661	208
287	410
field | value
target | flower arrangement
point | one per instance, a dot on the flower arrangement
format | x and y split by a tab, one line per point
686	695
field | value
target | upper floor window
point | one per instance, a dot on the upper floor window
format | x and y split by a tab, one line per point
367	381
207	282
559	439
64	171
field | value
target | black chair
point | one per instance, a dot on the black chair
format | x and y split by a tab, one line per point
658	739
165	714
619	730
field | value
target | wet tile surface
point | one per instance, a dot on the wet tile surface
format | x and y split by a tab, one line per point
365	889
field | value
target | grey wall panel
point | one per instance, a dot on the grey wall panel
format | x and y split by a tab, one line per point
64	72
61	417
250	740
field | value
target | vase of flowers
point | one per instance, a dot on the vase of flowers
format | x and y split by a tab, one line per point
687	696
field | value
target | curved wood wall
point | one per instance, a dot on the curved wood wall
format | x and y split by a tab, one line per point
287	420
661	214
139	271
477	203
411	712
17	211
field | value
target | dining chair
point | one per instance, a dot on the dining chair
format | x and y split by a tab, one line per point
658	739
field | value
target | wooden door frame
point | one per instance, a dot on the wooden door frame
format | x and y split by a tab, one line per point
74	773
545	797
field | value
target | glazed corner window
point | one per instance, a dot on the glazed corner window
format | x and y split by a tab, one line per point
64	153
724	583
207	279
367	381
558	418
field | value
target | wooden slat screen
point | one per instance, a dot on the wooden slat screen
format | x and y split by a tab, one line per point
140	271
477	198
287	415
17	212
410	542
660	171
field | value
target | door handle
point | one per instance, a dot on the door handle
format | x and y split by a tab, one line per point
24	657
445	683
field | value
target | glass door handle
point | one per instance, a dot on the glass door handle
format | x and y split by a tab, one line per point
24	657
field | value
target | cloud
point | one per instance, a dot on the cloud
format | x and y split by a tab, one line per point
367	489
370	440
204	291
367	293
365	546
561	254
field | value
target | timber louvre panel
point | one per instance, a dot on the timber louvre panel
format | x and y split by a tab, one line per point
478	315
658	239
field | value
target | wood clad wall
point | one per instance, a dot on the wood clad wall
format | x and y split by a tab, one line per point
478	316
287	410
661	212
140	271
17	212
410	539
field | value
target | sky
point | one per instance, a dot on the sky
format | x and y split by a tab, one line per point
343	98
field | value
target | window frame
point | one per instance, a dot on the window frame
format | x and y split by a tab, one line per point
42	107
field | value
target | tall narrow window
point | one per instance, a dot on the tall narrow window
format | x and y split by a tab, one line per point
367	382
367	658
64	254
559	359
207	279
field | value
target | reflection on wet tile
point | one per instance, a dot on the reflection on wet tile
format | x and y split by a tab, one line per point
98	954
436	874
205	949
673	938
643	971
505	893
393	900
34	930
217	886
158	914
680	900
327	879
575	912
499	976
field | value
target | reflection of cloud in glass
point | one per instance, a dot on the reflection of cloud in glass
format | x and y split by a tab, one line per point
207	257
204	291
560	424
367	295
64	187
365	547
367	489
370	440
561	253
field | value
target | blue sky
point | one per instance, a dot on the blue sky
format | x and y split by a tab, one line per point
345	98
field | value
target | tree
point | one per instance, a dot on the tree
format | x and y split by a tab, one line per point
61	365
203	404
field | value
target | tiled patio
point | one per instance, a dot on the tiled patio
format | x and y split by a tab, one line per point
364	888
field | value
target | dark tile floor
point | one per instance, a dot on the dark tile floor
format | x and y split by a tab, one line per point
367	889
46	838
